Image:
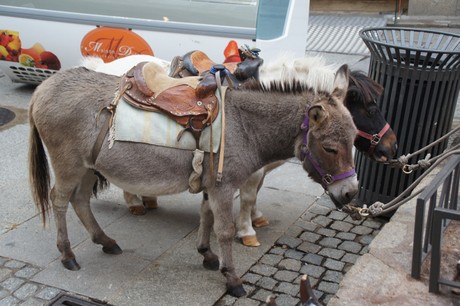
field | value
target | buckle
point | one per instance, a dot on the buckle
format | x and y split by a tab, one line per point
375	139
191	121
304	148
328	179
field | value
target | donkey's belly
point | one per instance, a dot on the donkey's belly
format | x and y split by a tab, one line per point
146	169
152	187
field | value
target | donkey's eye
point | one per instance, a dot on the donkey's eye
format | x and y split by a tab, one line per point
330	150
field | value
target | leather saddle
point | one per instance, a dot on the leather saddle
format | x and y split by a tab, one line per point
149	88
240	65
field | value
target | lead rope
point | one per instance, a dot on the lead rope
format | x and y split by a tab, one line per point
402	161
378	208
220	167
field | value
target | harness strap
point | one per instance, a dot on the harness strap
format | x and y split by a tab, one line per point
220	167
111	108
100	139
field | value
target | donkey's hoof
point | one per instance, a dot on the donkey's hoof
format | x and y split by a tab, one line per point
114	250
71	264
237	291
211	264
260	222
250	241
137	210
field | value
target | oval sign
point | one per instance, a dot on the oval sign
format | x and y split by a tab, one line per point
112	43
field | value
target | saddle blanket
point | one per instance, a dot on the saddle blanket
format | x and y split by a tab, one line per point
136	125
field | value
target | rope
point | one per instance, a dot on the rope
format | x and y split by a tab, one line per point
403	161
379	208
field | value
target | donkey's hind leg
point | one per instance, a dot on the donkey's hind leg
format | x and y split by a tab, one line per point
60	202
211	260
80	201
60	195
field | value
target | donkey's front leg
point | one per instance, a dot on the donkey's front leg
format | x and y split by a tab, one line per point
210	261
221	204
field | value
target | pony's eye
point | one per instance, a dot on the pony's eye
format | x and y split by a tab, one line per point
371	112
330	150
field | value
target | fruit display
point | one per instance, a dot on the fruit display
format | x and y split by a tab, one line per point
36	56
10	45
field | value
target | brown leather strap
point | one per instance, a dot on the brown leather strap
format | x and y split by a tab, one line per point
100	139
111	108
220	167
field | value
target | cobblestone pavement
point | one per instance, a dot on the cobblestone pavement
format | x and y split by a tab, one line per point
16	289
323	243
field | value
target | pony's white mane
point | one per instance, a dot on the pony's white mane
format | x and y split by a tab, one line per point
285	72
309	72
120	66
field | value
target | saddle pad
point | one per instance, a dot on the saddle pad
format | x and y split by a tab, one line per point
136	125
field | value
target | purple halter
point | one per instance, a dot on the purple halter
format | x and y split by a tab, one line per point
326	178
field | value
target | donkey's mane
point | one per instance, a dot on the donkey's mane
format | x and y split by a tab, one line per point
288	74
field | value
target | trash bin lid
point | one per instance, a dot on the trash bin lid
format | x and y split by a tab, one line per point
417	39
433	48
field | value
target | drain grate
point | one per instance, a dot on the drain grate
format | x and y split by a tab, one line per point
65	299
6	116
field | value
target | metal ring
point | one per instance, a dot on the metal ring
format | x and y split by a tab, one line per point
406	169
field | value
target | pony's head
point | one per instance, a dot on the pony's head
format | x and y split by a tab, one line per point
375	136
325	146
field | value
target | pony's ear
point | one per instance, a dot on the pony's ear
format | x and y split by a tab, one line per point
317	114
341	82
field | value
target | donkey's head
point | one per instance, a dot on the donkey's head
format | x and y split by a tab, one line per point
375	137
327	142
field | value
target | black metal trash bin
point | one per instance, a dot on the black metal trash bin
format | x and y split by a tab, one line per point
420	71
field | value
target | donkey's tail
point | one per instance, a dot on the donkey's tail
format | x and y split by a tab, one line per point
39	175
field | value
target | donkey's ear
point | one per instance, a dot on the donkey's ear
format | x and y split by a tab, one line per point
341	82
317	114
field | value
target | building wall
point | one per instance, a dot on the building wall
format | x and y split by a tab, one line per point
434	8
